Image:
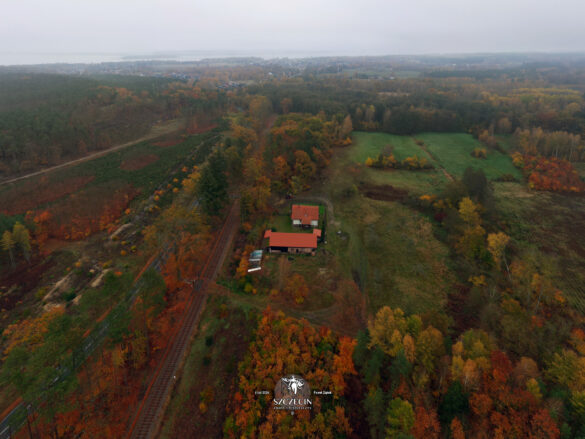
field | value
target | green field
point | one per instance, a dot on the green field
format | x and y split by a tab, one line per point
453	151
389	248
371	144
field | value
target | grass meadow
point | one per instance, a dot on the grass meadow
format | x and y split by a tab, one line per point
453	151
371	144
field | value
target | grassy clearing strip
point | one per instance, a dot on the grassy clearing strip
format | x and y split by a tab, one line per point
415	182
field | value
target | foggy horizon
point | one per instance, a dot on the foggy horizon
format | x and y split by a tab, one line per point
266	29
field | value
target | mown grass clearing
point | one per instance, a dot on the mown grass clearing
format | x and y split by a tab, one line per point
453	151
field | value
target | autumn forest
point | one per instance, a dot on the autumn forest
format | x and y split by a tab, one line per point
444	297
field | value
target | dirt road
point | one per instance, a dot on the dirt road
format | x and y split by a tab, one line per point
156	131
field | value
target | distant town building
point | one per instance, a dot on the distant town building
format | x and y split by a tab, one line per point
292	242
305	216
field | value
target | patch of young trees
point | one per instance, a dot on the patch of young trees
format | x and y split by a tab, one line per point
16	244
549	173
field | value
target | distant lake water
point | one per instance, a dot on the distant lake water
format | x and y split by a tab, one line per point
26	58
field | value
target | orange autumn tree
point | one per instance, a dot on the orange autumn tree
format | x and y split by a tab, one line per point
296	288
549	173
326	363
29	332
426	424
184	264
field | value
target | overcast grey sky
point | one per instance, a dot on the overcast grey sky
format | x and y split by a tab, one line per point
370	27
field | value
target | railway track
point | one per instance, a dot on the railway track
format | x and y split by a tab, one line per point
17	416
150	411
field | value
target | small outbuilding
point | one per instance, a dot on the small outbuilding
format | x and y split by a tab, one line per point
305	216
292	242
255	261
255	256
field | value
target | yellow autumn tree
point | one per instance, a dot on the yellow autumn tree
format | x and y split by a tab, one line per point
471	243
409	347
386	329
497	243
469	212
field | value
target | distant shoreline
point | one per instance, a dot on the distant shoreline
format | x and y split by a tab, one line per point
29	59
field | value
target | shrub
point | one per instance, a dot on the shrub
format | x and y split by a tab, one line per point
480	153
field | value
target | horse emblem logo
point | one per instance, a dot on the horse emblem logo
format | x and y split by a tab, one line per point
294	384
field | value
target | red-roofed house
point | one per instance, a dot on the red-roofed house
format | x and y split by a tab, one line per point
292	242
305	216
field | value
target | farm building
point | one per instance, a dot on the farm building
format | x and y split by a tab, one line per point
305	216
292	242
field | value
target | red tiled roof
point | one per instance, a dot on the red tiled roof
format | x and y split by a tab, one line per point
302	240
305	214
